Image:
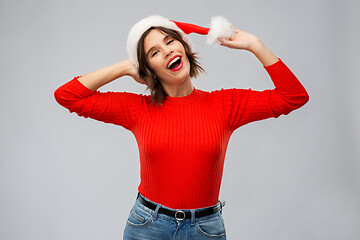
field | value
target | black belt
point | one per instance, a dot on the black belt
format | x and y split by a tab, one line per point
179	214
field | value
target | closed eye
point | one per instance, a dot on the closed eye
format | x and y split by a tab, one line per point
154	53
169	42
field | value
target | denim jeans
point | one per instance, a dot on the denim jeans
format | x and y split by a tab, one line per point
146	224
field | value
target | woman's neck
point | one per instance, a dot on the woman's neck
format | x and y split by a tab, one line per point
179	90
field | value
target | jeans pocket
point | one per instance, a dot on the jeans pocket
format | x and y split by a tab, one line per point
213	227
139	217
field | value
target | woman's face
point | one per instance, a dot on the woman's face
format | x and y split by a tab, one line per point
167	58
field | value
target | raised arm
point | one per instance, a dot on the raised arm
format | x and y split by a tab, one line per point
121	108
249	105
98	78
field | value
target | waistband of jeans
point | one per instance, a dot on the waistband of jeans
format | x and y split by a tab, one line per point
180	214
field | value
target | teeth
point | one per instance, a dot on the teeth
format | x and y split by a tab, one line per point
174	60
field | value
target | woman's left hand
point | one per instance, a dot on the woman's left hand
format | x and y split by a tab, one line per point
241	40
247	41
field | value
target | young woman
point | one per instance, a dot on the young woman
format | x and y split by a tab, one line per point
182	132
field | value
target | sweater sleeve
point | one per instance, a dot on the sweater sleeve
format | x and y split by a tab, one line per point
120	108
243	106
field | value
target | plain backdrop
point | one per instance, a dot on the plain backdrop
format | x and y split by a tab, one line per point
63	177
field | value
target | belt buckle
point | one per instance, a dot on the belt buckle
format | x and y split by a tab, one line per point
180	212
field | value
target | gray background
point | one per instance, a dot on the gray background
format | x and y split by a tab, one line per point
65	177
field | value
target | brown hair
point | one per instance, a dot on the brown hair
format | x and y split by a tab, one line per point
158	94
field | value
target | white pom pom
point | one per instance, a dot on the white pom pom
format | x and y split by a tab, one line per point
220	27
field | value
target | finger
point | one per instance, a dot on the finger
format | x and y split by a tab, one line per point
224	41
140	80
225	44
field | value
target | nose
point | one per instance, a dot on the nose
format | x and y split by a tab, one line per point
167	51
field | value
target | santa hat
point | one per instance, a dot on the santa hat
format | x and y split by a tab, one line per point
219	28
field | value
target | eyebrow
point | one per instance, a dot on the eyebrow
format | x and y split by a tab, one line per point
152	48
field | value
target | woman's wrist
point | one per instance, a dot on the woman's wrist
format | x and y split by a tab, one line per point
124	67
256	46
265	56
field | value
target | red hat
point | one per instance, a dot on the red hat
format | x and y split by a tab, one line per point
219	27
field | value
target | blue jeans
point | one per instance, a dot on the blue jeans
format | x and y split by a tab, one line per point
146	224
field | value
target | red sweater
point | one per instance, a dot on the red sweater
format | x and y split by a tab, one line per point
182	144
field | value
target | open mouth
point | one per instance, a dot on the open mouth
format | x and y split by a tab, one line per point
175	63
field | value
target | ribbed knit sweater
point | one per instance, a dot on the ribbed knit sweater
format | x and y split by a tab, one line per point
182	143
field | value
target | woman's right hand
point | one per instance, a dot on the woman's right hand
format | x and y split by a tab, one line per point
133	72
